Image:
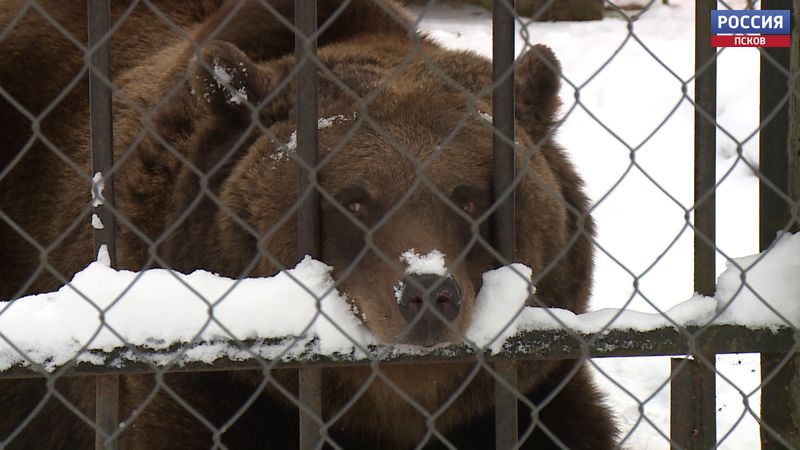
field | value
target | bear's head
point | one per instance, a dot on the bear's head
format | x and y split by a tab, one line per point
405	181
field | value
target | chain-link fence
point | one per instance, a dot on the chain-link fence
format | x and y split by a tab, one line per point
248	134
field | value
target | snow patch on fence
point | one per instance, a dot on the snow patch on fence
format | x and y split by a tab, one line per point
158	308
298	308
751	283
97	224
98	184
498	306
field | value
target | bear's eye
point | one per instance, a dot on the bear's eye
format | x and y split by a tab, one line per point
471	199
356	200
358	209
469	207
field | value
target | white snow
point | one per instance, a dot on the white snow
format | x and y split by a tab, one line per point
763	289
279	306
322	123
289	146
431	263
327	122
698	310
97	224
498	305
98	184
223	76
103	257
157	308
398	291
52	328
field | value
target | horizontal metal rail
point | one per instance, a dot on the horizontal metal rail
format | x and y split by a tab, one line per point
525	346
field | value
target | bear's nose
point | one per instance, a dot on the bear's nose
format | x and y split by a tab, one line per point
423	293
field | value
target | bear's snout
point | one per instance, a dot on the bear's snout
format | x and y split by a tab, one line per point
426	303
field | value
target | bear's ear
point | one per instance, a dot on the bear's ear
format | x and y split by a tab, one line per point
537	82
227	80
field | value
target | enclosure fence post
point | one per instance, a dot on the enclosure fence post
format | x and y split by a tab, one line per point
779	144
506	421
693	382
99	22
505	416
100	116
308	236
107	410
791	373
794	123
774	210
705	151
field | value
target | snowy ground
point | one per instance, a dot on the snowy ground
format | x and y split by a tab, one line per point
632	84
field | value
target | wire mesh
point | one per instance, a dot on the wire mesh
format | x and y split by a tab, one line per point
249	133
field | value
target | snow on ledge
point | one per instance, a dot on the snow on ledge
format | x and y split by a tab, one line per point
158	309
771	277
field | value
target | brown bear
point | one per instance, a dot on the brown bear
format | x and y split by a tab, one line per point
206	177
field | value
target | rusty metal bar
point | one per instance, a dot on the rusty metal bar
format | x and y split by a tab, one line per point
794	124
308	234
789	376
780	407
503	55
505	417
107	410
705	151
311	397
693	423
100	123
526	346
503	120
780	396
306	85
774	210
693	382
100	116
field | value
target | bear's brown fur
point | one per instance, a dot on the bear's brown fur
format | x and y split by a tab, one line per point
202	185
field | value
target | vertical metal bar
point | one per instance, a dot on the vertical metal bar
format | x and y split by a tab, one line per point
310	387
780	397
506	422
305	50
503	55
693	383
503	120
308	235
693	412
107	410
780	401
100	116
705	149
774	137
794	123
